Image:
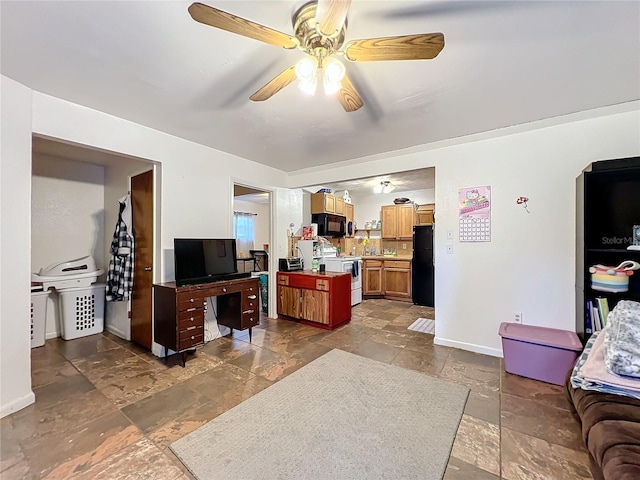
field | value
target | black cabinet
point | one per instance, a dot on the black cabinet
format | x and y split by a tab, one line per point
608	208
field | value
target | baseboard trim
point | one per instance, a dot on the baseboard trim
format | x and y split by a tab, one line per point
17	404
118	333
472	347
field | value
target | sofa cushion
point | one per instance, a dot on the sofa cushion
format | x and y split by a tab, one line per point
615	446
611	432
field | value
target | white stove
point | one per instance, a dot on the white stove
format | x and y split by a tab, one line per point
352	265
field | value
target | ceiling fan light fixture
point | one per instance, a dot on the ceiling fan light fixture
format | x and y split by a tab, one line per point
307	73
309	87
333	73
306	69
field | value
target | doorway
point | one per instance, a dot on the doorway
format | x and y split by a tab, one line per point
74	207
252	229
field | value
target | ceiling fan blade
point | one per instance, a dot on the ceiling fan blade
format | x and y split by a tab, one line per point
348	96
275	85
226	21
406	47
331	15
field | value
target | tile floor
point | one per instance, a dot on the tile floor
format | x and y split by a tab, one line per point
108	409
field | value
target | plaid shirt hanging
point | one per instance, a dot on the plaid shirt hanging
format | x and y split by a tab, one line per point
120	274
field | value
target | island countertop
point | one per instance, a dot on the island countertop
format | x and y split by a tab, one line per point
315	274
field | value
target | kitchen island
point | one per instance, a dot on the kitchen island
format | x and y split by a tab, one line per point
321	300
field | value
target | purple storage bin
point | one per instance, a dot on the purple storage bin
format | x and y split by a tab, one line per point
541	353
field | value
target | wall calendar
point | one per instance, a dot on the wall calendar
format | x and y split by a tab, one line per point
475	214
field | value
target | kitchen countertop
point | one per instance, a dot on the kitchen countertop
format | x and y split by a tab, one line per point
316	274
386	257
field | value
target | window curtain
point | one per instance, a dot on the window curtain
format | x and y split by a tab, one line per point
243	233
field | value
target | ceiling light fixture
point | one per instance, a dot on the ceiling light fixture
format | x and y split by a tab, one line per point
331	71
385	187
307	73
333	74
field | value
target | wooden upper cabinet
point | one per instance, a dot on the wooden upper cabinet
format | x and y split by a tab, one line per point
397	221
348	211
389	219
425	214
405	221
327	203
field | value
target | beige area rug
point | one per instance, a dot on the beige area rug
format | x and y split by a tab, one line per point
424	325
340	417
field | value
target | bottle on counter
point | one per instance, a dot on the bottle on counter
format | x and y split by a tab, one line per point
339	249
373	251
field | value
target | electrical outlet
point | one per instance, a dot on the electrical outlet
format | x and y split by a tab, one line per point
449	248
404	246
517	317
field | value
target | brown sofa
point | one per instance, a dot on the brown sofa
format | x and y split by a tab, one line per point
611	432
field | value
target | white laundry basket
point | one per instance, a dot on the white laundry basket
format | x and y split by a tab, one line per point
82	311
38	317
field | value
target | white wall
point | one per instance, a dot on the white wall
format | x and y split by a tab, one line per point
529	266
195	182
368	207
15	245
260	220
67	218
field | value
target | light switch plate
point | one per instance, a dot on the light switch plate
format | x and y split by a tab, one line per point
449	234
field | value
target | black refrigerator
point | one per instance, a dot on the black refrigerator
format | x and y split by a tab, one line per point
422	269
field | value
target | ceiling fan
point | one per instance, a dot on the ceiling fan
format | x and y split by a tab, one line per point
319	30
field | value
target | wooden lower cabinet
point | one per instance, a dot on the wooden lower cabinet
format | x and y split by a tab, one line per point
372	272
387	278
315	306
289	301
322	300
397	279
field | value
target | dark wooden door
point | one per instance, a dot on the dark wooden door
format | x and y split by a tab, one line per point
142	296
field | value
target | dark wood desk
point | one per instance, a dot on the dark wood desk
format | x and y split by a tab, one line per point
179	311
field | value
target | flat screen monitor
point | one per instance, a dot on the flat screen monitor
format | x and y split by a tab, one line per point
199	260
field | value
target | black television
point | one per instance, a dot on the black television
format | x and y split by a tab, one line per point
204	260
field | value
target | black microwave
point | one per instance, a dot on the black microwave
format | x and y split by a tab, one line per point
329	224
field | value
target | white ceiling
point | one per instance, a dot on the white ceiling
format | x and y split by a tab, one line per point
504	63
408	181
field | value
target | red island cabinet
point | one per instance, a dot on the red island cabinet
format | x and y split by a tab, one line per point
318	299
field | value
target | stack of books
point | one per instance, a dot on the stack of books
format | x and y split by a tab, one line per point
597	312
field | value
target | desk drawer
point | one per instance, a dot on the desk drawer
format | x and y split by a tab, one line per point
252	290
250	298
190	300
250	303
189	318
191	341
190	332
250	319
